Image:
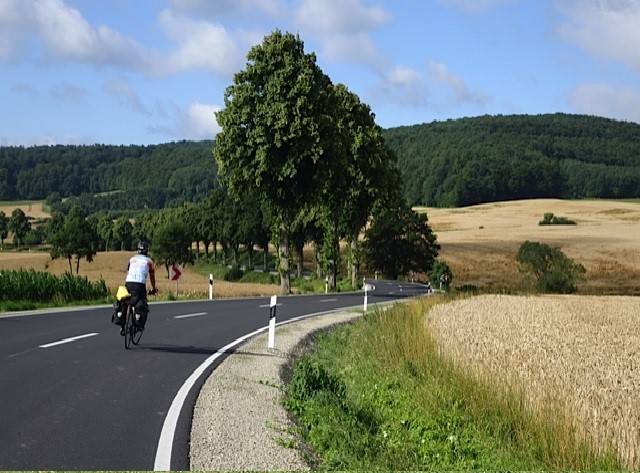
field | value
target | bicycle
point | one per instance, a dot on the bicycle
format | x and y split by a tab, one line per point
126	306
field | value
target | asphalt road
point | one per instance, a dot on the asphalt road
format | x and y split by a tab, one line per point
73	398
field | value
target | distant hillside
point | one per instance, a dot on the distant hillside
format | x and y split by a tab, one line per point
443	164
496	158
147	176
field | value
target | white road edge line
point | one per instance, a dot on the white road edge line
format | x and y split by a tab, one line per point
190	315
165	442
67	340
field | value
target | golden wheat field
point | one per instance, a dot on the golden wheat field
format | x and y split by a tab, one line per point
480	242
577	353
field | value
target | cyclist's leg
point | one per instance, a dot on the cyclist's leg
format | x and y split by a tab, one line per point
139	290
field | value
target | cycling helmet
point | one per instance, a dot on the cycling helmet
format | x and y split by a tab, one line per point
143	248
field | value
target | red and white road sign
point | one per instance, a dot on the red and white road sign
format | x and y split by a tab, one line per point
175	273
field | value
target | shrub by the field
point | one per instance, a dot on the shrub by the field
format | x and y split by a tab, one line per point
34	286
553	271
550	219
233	274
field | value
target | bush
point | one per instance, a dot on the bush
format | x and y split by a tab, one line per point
233	274
550	219
553	271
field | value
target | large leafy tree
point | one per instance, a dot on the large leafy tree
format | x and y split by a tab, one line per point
172	244
399	241
72	235
275	125
123	233
19	225
364	174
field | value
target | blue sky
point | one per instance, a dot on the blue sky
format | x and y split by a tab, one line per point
154	71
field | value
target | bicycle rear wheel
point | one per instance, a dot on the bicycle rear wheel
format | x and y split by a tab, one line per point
137	333
128	329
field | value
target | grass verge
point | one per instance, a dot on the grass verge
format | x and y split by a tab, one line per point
379	395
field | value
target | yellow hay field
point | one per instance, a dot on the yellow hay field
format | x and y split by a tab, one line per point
111	266
579	353
31	209
480	242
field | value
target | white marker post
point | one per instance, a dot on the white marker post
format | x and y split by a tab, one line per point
272	321
210	286
366	288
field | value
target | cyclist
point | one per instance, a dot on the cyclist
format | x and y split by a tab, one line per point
139	267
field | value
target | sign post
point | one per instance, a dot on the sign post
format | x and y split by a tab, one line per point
272	321
210	286
174	275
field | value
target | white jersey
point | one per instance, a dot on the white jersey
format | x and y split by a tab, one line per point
138	269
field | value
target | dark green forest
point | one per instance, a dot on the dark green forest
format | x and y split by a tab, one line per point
495	158
443	164
133	177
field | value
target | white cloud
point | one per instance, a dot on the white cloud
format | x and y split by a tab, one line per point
603	100
405	87
14	27
474	5
201	121
24	88
440	75
68	92
609	29
126	95
68	36
197	121
200	45
437	89
231	8
342	27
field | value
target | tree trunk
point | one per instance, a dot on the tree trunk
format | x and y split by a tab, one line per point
70	267
353	261
265	259
283	250
250	256
77	265
300	254
318	255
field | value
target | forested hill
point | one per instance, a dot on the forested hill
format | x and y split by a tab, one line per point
148	176
443	164
493	158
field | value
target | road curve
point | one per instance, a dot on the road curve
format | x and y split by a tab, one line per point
72	397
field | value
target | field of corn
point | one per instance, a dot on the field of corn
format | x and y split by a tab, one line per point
578	355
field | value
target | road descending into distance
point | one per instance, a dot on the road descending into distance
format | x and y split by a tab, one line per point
73	398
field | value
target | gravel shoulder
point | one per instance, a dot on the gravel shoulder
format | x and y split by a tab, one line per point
238	421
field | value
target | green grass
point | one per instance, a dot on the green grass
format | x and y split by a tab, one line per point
378	395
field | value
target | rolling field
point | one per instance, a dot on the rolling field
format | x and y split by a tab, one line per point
480	242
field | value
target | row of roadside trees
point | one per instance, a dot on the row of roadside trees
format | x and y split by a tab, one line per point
310	151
